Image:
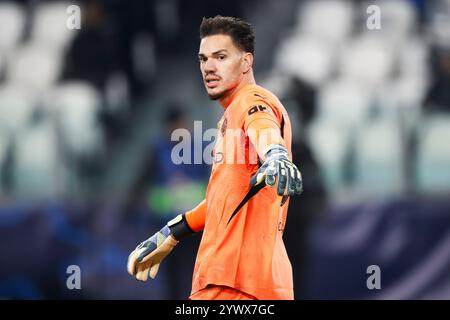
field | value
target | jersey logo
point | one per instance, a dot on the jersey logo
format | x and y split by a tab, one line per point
260	96
256	109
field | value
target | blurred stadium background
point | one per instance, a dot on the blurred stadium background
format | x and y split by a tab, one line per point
86	116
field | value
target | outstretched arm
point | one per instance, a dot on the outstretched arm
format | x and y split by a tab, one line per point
265	135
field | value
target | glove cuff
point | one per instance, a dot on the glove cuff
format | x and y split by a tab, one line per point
179	227
273	149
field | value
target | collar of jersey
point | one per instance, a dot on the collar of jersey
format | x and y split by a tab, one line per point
236	94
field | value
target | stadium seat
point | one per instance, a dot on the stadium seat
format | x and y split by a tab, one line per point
49	25
36	163
12	23
413	58
330	146
367	58
433	157
35	66
404	95
378	159
77	104
398	18
17	105
401	100
345	101
407	93
331	20
305	57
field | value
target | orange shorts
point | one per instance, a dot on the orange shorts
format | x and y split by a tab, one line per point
213	292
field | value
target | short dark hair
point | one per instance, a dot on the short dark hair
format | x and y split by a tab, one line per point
240	31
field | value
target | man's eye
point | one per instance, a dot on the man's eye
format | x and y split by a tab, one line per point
221	57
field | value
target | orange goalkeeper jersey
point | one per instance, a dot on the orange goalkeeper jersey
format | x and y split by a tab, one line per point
242	245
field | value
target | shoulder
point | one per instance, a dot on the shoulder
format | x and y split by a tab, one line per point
255	93
256	98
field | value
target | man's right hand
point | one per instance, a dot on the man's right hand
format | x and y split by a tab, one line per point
144	261
278	165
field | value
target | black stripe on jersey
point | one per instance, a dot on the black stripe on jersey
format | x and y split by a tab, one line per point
283	200
253	190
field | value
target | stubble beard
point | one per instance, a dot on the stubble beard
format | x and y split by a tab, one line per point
217	96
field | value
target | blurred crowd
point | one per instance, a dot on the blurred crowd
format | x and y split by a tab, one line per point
86	117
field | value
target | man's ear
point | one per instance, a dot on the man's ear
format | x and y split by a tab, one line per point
247	62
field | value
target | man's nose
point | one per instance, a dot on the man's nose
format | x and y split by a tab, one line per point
209	66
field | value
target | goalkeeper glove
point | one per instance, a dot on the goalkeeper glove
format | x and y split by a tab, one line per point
144	261
277	164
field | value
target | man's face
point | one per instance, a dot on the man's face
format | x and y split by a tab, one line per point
222	65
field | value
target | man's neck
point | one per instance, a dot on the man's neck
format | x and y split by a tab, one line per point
226	100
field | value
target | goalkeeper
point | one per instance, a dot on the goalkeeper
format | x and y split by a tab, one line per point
241	254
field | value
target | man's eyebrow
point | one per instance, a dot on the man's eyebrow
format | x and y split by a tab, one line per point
219	51
214	53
